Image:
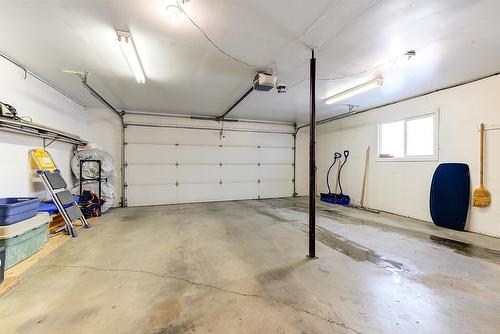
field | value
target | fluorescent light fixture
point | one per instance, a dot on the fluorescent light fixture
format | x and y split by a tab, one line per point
355	91
129	51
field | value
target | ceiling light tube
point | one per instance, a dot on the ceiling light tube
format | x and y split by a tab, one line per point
355	91
130	53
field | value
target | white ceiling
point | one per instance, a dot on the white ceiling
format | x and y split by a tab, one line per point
455	41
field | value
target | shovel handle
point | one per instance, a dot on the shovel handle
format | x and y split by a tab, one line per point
481	156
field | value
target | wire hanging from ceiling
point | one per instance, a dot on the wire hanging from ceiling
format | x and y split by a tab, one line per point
409	54
273	62
211	41
298	38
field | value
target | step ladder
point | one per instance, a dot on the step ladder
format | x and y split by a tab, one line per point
45	167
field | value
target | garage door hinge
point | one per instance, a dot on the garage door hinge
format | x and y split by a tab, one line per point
258	164
125	164
220	164
125	143
176	183
258	181
125	185
177	164
220	182
220	145
258	146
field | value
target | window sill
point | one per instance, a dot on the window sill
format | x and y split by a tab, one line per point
415	159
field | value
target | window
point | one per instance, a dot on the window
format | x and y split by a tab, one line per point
414	138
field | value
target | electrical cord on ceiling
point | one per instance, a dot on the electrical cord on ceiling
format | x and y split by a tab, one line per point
335	34
210	40
298	38
409	53
350	21
312	25
315	22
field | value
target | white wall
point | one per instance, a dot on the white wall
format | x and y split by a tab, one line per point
403	187
45	106
103	128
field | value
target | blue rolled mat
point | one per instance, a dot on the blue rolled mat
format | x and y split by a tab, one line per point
450	195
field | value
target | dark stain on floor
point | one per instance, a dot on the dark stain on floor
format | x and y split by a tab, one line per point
354	250
279	273
467	249
184	327
162	314
459	247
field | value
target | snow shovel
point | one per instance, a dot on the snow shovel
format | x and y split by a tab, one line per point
337	198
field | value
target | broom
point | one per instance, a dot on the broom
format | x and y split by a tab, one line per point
481	196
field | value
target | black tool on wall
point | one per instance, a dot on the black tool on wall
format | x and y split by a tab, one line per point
339	198
336	156
7	111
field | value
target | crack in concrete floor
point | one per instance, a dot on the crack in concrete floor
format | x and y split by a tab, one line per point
296	308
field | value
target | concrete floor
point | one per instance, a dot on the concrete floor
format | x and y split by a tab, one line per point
240	267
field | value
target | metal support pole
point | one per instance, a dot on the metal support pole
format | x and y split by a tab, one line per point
294	159
312	159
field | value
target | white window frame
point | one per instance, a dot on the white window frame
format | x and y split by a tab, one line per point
434	157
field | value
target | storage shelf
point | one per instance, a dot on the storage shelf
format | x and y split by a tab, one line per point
40	131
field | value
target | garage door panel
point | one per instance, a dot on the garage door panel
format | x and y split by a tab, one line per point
199	174
246	155
196	137
276	155
241	190
198	154
241	173
276	173
151	195
151	154
198	193
258	139
152	135
151	174
271	189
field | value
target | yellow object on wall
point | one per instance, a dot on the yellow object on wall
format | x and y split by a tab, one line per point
43	160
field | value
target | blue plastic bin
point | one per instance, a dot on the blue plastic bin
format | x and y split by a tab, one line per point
16	209
51	208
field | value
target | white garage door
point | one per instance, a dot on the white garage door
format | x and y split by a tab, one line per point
175	165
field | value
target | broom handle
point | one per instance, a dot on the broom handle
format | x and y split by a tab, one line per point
481	163
362	202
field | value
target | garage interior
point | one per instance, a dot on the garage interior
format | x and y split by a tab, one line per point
249	166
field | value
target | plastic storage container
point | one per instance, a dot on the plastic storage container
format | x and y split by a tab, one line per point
24	239
16	209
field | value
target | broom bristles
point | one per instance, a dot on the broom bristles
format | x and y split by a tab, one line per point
481	197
